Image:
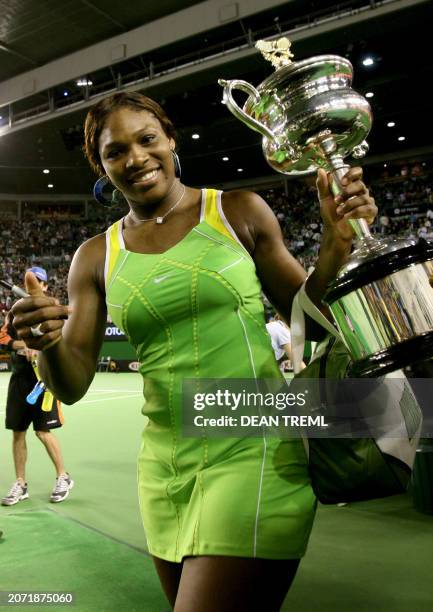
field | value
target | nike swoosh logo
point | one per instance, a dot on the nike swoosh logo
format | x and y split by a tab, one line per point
159	279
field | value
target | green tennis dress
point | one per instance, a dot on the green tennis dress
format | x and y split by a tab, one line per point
195	311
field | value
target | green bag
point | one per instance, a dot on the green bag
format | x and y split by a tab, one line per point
356	469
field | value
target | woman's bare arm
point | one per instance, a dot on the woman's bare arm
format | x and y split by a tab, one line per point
68	366
280	273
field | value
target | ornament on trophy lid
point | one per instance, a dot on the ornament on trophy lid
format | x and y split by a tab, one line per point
276	51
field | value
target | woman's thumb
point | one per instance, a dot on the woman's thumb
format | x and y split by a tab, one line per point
32	284
322	184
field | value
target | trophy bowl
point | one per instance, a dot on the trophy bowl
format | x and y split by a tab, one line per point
310	118
306	92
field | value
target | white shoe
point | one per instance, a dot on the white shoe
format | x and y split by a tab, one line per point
17	493
64	484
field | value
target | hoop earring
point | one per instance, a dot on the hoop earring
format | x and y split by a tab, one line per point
176	162
98	191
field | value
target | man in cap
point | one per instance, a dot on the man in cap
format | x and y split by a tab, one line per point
45	413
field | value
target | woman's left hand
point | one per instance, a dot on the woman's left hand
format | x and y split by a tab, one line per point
354	202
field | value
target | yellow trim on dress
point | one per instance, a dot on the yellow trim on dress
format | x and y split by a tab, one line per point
114	247
212	215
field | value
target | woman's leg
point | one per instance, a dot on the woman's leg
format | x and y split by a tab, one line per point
169	575
234	584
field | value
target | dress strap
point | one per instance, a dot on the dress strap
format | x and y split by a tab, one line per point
213	214
114	244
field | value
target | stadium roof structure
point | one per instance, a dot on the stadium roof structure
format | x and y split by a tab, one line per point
58	57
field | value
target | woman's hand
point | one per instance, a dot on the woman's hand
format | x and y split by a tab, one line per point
41	313
354	202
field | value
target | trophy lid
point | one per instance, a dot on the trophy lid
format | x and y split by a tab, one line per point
278	53
319	66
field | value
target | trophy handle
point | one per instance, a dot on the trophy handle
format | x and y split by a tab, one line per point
238	111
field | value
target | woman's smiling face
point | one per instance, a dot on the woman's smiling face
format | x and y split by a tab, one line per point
136	155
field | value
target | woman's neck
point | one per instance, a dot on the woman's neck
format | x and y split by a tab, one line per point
140	213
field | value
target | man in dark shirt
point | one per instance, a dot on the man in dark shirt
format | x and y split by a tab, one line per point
45	414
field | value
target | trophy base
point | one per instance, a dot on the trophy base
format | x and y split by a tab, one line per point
375	260
382	303
394	358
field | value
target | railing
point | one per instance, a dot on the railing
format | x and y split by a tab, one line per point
151	70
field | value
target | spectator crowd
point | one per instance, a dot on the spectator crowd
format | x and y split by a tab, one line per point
405	209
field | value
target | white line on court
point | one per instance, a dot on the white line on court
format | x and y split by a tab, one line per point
108	399
96	391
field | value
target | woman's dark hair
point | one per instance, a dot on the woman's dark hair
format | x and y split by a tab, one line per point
98	114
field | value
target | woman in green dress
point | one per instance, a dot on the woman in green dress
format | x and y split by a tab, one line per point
226	519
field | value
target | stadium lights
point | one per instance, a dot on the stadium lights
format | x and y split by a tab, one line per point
369	94
50	185
225	158
195	136
46	171
84	82
368	61
391	124
240	169
401	138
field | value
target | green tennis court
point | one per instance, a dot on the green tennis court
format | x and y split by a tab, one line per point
373	556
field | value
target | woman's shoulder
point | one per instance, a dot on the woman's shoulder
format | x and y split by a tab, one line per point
238	197
246	212
93	247
246	205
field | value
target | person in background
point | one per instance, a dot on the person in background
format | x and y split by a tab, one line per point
20	414
281	341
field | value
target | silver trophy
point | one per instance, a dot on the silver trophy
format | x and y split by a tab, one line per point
310	118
